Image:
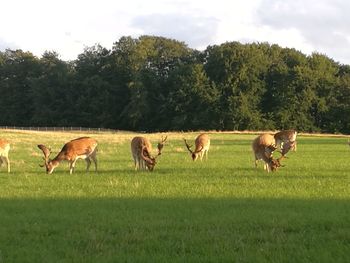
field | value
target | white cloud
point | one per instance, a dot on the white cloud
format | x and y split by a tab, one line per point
323	24
179	27
68	26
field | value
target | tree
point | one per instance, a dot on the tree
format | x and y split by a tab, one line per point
17	69
51	92
96	89
151	59
193	101
238	72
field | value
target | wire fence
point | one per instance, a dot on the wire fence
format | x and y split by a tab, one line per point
85	129
57	129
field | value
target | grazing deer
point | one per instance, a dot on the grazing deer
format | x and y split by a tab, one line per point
4	153
141	149
202	144
263	147
286	140
80	148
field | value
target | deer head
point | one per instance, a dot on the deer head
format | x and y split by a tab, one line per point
276	163
150	161
146	156
161	144
47	162
193	153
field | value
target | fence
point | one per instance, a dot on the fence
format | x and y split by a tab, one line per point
57	129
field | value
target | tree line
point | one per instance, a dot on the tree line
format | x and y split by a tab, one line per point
153	83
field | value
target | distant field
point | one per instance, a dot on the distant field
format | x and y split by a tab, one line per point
222	210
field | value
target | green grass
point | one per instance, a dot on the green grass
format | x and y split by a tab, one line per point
222	210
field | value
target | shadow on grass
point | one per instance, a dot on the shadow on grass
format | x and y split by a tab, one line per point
174	230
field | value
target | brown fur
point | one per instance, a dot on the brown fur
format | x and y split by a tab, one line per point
263	147
141	149
202	145
80	148
4	153
286	140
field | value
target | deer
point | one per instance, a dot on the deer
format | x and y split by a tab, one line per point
202	145
286	140
80	148
263	147
4	153
141	149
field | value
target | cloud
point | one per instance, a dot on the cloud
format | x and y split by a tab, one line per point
196	31
6	45
323	24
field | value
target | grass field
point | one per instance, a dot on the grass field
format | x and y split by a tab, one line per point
222	210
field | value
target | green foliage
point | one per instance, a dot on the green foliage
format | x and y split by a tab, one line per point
17	71
154	84
192	101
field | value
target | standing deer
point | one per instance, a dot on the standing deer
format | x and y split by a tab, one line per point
4	153
80	148
202	144
141	149
286	140
263	147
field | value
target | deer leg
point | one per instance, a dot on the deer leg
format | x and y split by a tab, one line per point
95	162
255	161
268	168
8	164
72	166
143	165
88	163
139	163
94	159
282	144
201	155
136	162
295	146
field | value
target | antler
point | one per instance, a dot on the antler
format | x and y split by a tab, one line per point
280	159
46	151
188	146
161	145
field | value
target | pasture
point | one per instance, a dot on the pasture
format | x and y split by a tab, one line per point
220	210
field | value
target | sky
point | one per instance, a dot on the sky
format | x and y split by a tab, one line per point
69	26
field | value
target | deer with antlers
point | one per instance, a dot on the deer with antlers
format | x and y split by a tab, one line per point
263	147
4	153
286	140
80	148
141	149
202	145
